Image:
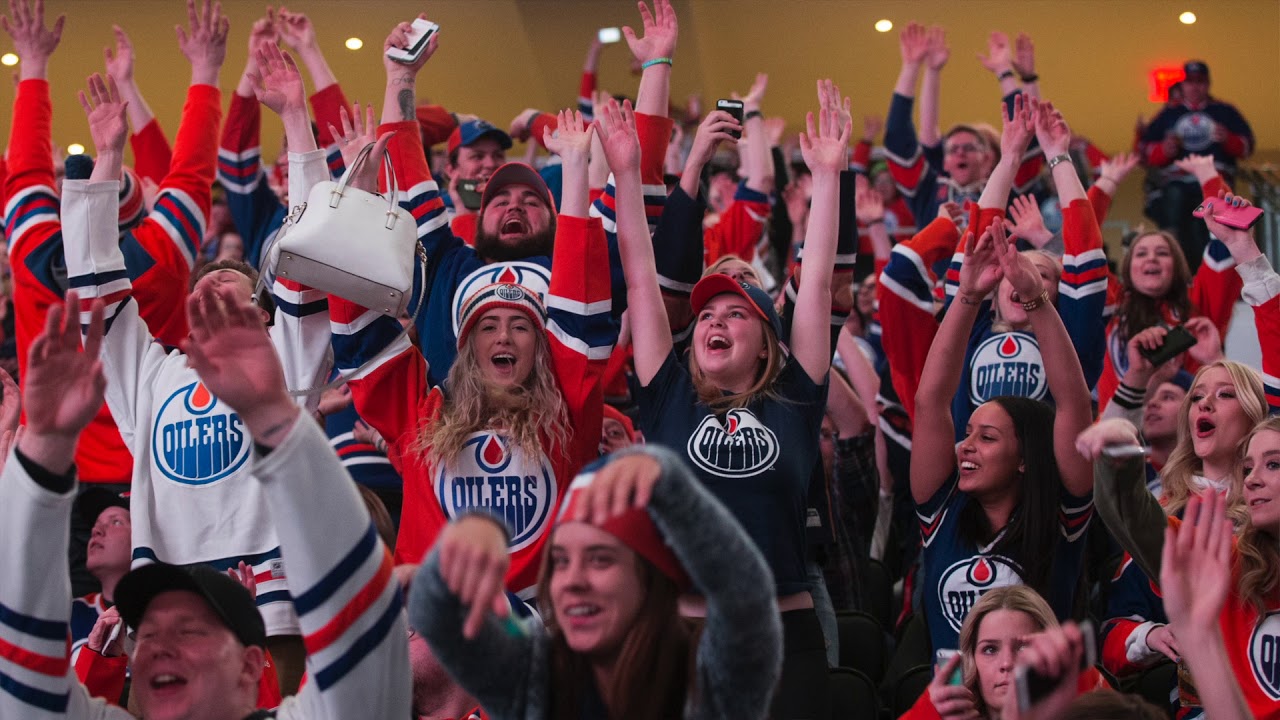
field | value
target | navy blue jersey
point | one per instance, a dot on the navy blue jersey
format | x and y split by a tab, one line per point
1194	129
957	572
757	460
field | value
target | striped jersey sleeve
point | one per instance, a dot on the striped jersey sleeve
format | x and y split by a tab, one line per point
327	106
1262	291
655	135
256	211
1082	289
182	206
586	89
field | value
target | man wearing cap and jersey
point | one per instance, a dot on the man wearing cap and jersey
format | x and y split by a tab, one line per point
1199	124
200	639
476	150
109	554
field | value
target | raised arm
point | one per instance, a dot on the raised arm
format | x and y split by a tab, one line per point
399	103
300	35
1017	131
151	152
936	55
654	53
933	433
999	60
826	152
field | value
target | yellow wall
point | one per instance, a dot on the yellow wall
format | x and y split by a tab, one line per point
499	56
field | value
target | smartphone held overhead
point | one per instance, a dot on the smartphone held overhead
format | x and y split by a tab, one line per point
420	34
734	108
1233	216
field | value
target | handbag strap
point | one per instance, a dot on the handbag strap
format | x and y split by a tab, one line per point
393	186
413	319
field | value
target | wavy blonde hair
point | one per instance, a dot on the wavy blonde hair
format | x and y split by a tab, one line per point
1258	551
1019	598
526	413
1183	462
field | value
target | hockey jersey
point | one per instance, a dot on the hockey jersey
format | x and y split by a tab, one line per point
1194	127
341	581
158	252
394	395
450	259
194	498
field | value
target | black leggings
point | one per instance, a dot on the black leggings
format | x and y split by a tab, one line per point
802	692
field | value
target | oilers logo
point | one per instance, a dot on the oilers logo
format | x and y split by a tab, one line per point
738	448
196	440
1264	654
489	476
1007	364
1195	130
526	274
966	581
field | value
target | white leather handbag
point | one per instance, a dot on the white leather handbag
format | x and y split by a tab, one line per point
351	243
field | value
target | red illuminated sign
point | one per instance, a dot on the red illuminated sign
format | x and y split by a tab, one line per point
1161	80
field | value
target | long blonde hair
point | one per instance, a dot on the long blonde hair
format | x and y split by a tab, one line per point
1020	598
527	411
1259	551
1183	462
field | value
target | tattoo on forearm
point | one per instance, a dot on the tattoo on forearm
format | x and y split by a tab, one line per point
407	100
965	299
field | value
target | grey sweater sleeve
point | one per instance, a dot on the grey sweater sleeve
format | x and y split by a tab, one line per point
505	671
740	653
1130	512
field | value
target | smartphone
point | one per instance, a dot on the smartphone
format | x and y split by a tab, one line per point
608	36
734	108
1118	452
1031	687
942	657
1177	341
469	191
420	33
1240	218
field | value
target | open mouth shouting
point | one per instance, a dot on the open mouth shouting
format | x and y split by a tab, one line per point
514	225
1204	428
719	343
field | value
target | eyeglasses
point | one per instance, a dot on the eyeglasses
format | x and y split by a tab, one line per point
963	148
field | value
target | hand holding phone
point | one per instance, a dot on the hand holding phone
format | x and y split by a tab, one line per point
734	108
420	33
1176	342
469	191
940	660
1031	687
1240	217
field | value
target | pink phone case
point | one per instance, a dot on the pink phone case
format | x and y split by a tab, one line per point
1240	218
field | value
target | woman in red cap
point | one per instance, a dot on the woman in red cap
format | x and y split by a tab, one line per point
742	413
634	532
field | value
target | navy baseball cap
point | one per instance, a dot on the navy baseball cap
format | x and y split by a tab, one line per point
90	503
719	284
1196	67
472	130
229	599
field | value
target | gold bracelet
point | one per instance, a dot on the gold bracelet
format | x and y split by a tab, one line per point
1037	302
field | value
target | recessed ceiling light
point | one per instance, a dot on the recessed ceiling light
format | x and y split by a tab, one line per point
354	43
75	149
884	25
9	59
1187	18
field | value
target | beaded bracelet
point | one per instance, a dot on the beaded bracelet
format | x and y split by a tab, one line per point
656	61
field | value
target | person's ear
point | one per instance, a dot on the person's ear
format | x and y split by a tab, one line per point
254	663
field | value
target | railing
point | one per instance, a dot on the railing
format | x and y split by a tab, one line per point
1262	183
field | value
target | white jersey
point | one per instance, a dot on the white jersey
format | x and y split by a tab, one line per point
194	498
340	575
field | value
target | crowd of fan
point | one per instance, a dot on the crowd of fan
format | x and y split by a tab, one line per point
687	418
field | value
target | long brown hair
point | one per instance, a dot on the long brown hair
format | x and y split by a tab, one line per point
1137	312
1259	553
1175	476
652	678
536	406
1019	598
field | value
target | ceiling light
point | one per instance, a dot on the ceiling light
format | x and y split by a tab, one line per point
1187	18
884	25
9	59
354	43
75	149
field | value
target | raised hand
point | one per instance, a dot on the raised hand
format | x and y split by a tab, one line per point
1018	268
951	701
519	128
661	31
1195	566
951	211
797	201
868	204
119	61
624	484
295	29
355	135
229	348
1052	130
278	83
871	127
571	139
33	43
399	38
616	126
1028	223
1024	56
999	57
1018	126
243	574
825	147
913	44
1140	368
1200	167
102	628
981	271
205	43
1053	653
106	114
1208	347
64	384
775	126
829	97
937	52
751	101
263	32
1116	168
1239	242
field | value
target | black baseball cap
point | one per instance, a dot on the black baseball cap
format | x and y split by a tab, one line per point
718	284
90	503
1196	67
228	598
